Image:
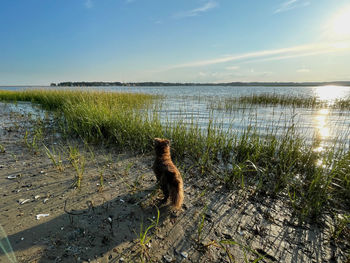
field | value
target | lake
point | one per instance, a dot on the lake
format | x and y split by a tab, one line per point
192	103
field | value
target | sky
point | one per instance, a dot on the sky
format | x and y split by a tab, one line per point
45	41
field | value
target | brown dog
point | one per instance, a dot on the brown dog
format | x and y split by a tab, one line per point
168	176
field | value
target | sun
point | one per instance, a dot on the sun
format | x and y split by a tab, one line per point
340	24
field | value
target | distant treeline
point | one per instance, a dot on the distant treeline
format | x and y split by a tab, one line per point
128	84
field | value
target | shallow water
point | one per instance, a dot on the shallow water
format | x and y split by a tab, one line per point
191	103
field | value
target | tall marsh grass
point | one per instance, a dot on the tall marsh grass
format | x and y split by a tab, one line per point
270	164
232	103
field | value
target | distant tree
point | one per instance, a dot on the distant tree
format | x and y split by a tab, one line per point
53	84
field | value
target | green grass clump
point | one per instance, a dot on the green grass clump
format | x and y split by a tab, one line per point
233	103
229	104
343	104
58	99
270	164
145	237
119	118
282	100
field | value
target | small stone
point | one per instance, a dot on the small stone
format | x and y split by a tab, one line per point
168	258
36	197
184	254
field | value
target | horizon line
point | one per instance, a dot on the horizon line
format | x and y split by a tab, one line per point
345	82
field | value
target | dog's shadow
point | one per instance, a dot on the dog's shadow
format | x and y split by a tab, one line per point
111	230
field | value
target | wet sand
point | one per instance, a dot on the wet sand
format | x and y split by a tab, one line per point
102	223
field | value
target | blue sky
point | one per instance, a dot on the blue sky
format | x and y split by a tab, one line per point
177	41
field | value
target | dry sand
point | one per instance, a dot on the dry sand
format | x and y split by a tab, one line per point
102	223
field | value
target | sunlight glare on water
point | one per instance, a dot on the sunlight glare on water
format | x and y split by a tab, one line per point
330	93
322	127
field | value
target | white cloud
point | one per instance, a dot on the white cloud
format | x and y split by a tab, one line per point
241	75
89	4
291	4
195	12
303	70
272	54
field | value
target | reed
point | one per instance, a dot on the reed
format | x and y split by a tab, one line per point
144	237
235	103
52	155
343	104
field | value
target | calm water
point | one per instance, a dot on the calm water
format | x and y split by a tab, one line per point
191	103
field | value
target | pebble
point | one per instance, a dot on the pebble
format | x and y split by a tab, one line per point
36	197
45	200
184	254
168	258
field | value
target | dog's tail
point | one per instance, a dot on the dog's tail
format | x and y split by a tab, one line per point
177	194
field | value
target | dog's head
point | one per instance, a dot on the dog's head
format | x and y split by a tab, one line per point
161	144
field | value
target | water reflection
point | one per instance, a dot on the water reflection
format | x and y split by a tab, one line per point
322	128
330	93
